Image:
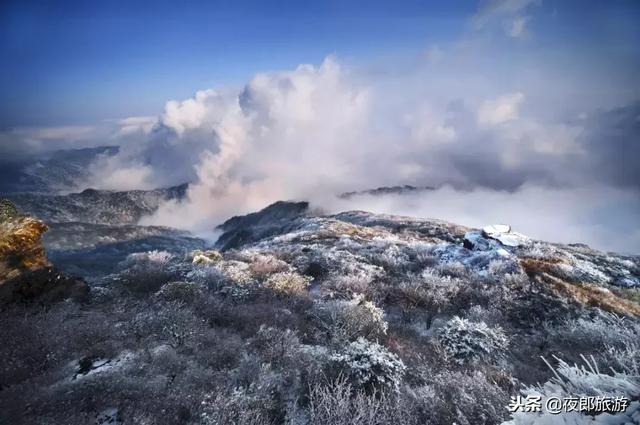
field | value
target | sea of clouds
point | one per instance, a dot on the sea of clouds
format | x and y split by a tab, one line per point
534	139
316	131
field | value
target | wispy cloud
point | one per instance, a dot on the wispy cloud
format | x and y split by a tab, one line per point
517	27
66	133
508	13
132	125
21	141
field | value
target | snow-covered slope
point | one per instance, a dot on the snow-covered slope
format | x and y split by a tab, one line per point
289	227
302	317
49	172
96	206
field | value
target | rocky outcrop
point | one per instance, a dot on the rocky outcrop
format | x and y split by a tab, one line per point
505	235
25	272
494	236
252	227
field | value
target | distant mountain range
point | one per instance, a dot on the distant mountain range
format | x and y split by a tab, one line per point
49	172
96	206
387	190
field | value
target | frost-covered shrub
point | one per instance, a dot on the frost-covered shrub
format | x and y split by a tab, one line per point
186	292
370	365
359	269
235	271
345	286
436	279
102	294
538	250
219	348
264	265
393	259
276	346
453	269
337	403
325	262
427	294
602	330
208	277
488	314
171	321
287	283
232	407
263	387
465	341
513	281
152	257
626	358
498	268
422	255
582	271
348	320
8	210
582	381
205	257
35	342
231	278
179	324
143	324
145	272
460	397
587	380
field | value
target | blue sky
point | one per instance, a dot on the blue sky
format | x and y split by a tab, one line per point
70	62
76	61
520	111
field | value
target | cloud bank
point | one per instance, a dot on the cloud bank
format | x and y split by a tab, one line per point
315	131
526	141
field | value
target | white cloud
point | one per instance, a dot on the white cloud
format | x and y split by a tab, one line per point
314	131
117	178
428	127
508	13
489	10
517	27
191	113
498	111
286	133
600	216
133	125
66	133
28	140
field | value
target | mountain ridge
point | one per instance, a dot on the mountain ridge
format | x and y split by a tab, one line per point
97	206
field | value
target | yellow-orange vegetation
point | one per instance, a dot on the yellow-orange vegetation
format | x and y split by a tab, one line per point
21	247
583	292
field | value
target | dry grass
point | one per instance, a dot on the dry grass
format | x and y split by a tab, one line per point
631	294
287	283
265	265
583	292
535	266
592	295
